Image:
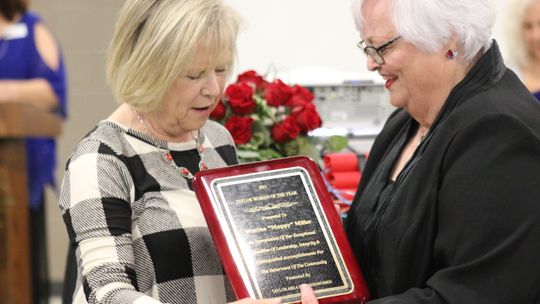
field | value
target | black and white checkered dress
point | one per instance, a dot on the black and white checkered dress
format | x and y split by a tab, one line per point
139	231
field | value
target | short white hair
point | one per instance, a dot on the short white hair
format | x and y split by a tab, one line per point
430	24
516	46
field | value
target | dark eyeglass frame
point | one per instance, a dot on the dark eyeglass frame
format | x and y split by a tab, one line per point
375	53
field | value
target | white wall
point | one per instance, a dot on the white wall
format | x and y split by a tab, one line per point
306	40
297	35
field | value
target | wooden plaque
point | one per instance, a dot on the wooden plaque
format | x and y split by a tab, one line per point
275	228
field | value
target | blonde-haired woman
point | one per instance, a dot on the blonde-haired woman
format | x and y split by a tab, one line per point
127	198
523	42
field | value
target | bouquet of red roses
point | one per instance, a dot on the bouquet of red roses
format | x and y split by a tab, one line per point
271	119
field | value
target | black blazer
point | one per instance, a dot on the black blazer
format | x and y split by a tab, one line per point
462	222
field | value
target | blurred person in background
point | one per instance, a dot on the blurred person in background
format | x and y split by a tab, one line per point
32	71
447	210
522	26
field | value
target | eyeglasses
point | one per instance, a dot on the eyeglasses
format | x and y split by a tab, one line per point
375	53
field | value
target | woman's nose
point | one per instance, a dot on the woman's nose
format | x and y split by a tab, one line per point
371	64
211	86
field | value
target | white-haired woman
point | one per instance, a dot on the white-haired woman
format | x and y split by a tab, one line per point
523	42
126	198
447	210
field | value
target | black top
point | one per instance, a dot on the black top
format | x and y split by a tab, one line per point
461	224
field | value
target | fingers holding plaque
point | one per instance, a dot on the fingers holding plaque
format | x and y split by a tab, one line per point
275	228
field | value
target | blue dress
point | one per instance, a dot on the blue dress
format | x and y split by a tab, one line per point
20	60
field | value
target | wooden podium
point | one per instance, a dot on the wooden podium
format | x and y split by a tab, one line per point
17	121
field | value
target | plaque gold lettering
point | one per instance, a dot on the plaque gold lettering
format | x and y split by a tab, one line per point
256	230
271	207
302	222
273	217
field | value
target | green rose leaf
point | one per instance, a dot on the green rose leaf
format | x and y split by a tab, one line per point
335	143
269	154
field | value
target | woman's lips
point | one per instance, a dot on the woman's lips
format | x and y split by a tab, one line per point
202	109
389	82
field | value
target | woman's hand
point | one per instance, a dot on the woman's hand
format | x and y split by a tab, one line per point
306	292
307	295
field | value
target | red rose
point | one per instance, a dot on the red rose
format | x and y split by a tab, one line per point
300	96
285	130
240	97
277	93
219	111
296	101
251	77
307	117
240	128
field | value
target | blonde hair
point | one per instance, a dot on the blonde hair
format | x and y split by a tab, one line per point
515	44
155	41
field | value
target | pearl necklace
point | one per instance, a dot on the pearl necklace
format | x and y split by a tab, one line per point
167	155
